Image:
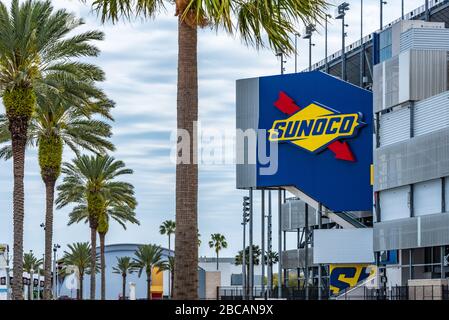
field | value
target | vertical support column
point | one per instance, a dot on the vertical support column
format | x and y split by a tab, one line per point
402	10
306	251
343	53
244	284
270	243
427	10
410	263
298	246
280	244
325	43
442	276
320	226
251	265
362	52
263	240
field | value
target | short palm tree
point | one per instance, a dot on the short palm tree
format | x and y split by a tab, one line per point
31	264
168	227
124	267
218	242
35	41
256	259
62	120
271	258
148	258
121	213
259	24
92	180
78	256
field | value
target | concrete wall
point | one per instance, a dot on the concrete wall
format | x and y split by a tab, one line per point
213	280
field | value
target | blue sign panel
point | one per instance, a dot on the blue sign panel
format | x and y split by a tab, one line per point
324	131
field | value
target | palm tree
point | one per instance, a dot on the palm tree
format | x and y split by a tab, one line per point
168	227
218	242
148	258
256	255
271	258
91	180
34	43
31	264
123	268
79	256
260	24
59	122
121	213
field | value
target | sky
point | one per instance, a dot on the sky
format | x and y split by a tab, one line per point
140	61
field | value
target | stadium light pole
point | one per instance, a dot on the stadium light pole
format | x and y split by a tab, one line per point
382	3
270	243
362	53
246	213
326	17
263	239
251	262
8	282
341	13
402	10
280	244
308	35
280	54
55	278
427	10
296	51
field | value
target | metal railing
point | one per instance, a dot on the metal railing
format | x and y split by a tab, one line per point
288	293
435	292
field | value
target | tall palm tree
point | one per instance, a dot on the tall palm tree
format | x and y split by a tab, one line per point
260	24
124	267
121	213
148	258
31	264
92	180
168	227
79	257
62	119
35	41
218	242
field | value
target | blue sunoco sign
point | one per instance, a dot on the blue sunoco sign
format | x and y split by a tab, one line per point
319	131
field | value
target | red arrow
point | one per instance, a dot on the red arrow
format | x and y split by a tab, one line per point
286	104
342	151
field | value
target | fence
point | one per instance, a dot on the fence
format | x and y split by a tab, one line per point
435	292
288	293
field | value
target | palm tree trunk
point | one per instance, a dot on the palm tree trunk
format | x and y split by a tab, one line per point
186	240
93	259
124	287
49	194
149	297
217	261
18	129
103	267
170	281
81	289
